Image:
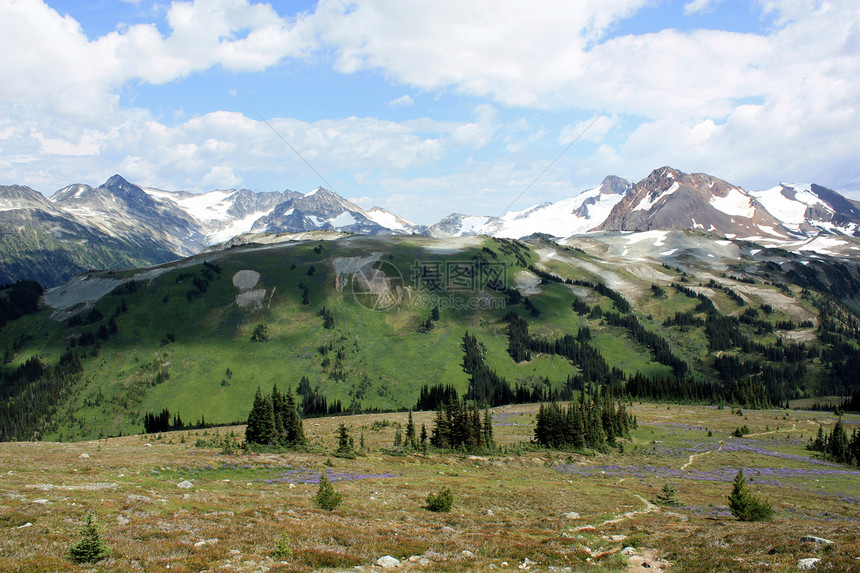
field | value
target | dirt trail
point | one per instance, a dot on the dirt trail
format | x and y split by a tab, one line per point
649	508
694	456
793	426
640	559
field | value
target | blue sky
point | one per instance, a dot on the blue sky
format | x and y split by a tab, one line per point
428	107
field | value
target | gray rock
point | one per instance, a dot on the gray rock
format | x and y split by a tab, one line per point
816	540
185	484
134	498
570	515
423	561
387	562
807	564
468	554
84	456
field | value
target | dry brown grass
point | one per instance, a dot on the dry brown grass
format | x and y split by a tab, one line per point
507	507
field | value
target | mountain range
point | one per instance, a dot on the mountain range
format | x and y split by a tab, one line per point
120	224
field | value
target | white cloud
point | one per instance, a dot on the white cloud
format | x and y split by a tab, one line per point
480	132
752	108
699	6
57	66
402	101
593	129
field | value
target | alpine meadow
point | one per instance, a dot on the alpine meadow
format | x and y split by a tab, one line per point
327	286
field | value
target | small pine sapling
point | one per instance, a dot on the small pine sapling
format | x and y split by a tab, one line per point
327	498
283	550
90	548
667	497
440	502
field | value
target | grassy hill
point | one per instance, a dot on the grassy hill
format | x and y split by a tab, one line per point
181	336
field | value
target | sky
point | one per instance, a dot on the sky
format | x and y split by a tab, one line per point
427	107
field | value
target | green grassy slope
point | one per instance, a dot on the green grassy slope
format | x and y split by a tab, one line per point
174	344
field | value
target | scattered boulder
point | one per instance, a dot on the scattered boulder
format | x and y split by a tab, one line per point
84	456
387	562
468	554
135	498
527	563
570	515
807	564
185	484
815	540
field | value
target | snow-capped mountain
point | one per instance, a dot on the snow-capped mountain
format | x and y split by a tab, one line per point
40	240
324	210
810	209
121	209
561	219
669	199
120	224
223	214
398	225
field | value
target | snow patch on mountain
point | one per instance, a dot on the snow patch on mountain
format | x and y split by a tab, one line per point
648	202
790	211
736	204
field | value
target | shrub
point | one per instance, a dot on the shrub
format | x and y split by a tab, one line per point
261	333
90	548
326	498
441	501
283	550
746	506
667	497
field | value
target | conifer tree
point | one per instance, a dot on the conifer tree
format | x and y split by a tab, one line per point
295	432
744	505
410	433
90	548
278	410
344	442
487	429
254	432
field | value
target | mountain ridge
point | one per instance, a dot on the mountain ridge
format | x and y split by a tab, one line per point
154	225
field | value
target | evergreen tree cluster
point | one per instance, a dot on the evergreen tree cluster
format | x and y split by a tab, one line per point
314	402
584	424
459	425
432	397
430	323
837	446
622	305
30	393
274	421
155	423
592	365
685	390
660	349
19	299
485	386
327	316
